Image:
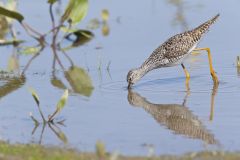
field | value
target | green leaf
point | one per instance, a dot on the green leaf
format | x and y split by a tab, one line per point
62	137
13	63
35	96
82	37
11	84
57	83
30	50
105	15
11	14
68	30
4	42
62	101
4	25
76	10
58	133
11	5
52	1
79	80
105	29
34	119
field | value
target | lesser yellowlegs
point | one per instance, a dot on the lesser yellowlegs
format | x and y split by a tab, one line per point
173	52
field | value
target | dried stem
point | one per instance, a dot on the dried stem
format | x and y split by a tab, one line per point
52	16
34	120
34	129
53	30
70	60
51	117
41	135
41	113
30	61
30	29
56	57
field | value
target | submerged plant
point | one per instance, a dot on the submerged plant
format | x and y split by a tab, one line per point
60	105
66	27
74	12
50	120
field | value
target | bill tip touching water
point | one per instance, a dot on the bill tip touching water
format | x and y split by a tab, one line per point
174	51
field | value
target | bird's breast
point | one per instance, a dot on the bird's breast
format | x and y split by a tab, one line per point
179	59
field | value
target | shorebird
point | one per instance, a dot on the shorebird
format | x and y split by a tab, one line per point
173	52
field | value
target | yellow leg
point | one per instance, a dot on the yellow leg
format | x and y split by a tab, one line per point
186	72
187	76
214	75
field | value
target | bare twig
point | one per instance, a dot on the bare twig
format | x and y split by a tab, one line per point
13	32
52	16
34	34
51	117
30	61
34	129
70	60
56	57
57	131
54	64
30	29
41	113
65	34
41	135
34	120
53	30
55	34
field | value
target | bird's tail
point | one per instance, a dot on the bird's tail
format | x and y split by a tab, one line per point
205	26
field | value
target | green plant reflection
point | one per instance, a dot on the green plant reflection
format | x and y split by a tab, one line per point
10	84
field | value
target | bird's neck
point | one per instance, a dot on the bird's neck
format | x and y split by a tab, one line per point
145	68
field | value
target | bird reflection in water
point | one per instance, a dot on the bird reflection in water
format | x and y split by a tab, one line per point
176	117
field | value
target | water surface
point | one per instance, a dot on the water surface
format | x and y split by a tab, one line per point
160	112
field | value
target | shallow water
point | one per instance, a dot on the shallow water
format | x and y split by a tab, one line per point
160	112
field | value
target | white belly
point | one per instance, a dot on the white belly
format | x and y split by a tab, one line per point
182	59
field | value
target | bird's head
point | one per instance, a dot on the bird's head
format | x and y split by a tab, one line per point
133	76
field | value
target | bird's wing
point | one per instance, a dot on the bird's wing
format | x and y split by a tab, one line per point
170	51
178	46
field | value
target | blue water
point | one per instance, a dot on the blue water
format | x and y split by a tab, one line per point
136	29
